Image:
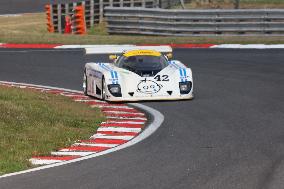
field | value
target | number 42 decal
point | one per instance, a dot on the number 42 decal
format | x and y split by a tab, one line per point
162	78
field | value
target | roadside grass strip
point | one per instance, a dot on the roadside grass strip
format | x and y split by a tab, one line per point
30	29
122	124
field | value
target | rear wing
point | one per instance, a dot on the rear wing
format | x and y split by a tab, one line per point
118	49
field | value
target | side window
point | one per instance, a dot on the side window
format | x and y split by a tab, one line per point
119	61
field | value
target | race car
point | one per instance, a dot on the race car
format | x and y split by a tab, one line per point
138	75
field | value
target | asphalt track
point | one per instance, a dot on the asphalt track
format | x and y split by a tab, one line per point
230	136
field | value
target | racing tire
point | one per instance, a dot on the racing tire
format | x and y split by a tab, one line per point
103	97
85	83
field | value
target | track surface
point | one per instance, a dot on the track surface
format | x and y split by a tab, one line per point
230	136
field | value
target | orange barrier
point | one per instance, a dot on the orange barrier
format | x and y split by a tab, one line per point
50	26
78	20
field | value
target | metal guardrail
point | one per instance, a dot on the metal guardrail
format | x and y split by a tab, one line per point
194	22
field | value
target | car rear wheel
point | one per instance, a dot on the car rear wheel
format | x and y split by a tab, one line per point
85	84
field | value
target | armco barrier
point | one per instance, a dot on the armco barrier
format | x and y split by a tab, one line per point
194	22
94	11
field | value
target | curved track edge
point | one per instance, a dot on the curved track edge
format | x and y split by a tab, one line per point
157	120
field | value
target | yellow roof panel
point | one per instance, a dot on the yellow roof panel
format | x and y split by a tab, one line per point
142	53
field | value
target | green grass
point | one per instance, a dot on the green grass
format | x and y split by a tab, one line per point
31	28
34	123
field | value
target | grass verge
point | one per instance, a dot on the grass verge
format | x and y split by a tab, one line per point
34	123
31	28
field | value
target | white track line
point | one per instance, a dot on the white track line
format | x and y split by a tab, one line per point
120	137
96	145
71	153
248	46
119	107
41	87
158	119
127	122
107	106
122	112
10	15
72	95
120	129
36	161
122	118
90	100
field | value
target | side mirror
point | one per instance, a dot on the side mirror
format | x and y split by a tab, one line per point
112	57
169	56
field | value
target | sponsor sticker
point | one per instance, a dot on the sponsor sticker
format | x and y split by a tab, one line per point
148	87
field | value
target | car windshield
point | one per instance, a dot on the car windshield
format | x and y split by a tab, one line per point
144	65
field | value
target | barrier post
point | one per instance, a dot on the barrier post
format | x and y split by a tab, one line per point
59	24
131	3
92	13
111	3
143	3
101	11
67	9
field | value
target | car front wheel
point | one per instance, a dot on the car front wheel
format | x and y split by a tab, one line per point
103	89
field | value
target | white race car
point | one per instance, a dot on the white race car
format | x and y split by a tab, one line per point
138	75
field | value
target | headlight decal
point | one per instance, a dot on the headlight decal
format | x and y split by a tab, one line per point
182	73
114	77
